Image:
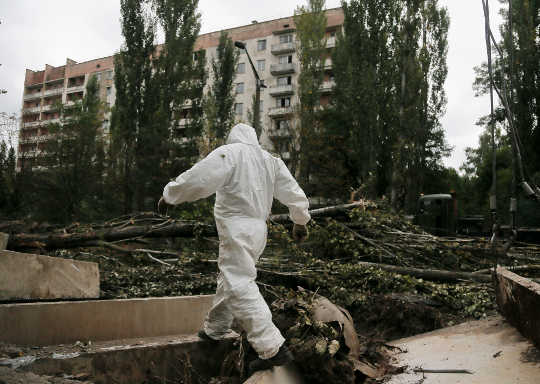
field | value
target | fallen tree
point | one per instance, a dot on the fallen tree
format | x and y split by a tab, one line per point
128	227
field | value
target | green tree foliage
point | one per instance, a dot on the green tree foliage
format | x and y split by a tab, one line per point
390	68
519	68
69	186
154	85
310	21
135	102
219	101
179	78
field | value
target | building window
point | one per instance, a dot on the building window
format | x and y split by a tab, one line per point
261	107
285	59
98	77
239	109
282	124
261	65
261	45
109	75
241	68
285	39
284	102
285	80
239	88
109	91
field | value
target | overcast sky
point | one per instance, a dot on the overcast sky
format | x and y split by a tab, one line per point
36	32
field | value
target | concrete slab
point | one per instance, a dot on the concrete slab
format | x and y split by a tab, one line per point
492	349
279	375
518	299
4	237
27	276
165	359
39	324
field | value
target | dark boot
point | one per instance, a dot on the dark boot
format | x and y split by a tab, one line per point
283	357
202	334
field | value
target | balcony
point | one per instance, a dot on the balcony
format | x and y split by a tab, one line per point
32	96
44	138
49	107
282	69
28	140
331	42
327	86
183	123
280	111
31	124
53	92
75	88
31	110
31	153
276	133
281	90
278	49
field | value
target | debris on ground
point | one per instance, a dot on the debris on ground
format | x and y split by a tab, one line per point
381	271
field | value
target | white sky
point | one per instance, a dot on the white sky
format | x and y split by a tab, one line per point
36	32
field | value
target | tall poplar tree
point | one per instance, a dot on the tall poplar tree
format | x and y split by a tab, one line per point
133	83
390	69
310	22
219	102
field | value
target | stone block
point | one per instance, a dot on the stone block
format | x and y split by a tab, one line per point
38	324
4	237
33	277
518	299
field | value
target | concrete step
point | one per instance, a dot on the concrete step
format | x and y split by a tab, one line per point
127	361
53	323
37	277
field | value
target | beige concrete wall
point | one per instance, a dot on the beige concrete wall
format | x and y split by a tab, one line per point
518	299
66	322
27	276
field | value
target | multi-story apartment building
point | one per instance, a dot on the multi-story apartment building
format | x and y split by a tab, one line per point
271	44
42	92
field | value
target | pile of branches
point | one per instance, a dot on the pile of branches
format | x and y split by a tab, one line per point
394	279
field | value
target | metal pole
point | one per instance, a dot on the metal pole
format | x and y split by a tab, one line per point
258	85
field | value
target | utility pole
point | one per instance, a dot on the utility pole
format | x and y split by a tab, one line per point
258	85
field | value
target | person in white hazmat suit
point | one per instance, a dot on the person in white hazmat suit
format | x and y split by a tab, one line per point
245	179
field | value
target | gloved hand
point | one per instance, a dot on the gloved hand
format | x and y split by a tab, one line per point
162	206
300	233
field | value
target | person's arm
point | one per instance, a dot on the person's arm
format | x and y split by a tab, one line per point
202	180
289	193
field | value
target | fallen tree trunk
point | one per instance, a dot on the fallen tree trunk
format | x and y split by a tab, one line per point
70	240
321	212
292	279
430	274
164	229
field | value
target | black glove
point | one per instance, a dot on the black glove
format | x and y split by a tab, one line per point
162	206
300	233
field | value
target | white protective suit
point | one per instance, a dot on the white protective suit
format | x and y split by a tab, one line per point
245	179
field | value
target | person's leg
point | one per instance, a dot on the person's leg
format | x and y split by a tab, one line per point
219	319
251	311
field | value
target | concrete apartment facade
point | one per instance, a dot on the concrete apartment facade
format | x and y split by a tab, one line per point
271	44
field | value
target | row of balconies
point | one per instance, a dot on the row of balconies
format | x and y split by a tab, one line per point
288	89
35	139
32	124
52	92
281	48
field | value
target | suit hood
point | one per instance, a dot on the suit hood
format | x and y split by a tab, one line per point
242	133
